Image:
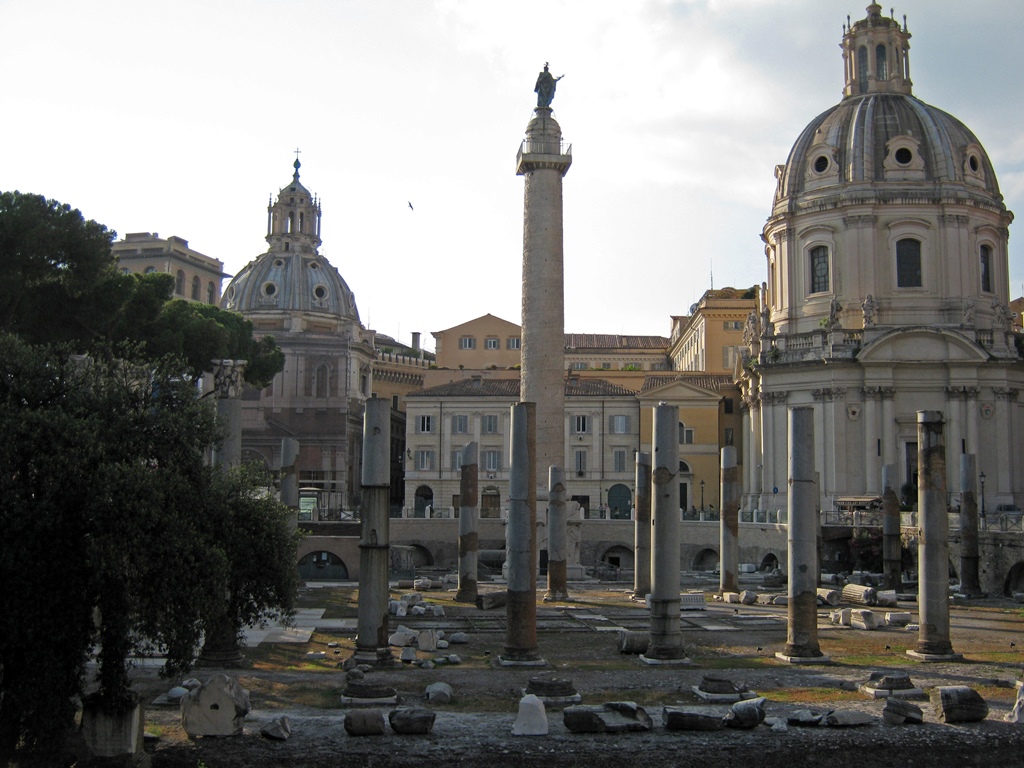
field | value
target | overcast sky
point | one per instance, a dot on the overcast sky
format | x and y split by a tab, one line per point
182	118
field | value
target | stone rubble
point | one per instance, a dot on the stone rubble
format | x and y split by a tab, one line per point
364	722
958	704
412	721
278	729
532	719
611	717
217	708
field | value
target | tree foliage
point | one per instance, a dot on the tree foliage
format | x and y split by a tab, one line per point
59	283
107	503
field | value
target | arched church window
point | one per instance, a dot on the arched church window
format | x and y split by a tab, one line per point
302	221
197	286
986	268
908	263
819	269
291	222
179	283
880	68
211	292
149	270
862	69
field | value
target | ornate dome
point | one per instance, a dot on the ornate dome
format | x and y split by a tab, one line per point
883	137
880	132
290	282
292	276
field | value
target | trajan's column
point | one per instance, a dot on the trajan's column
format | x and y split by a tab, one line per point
543	163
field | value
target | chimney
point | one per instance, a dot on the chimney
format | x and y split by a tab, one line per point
416	340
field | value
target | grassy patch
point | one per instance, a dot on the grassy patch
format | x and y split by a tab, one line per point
812	695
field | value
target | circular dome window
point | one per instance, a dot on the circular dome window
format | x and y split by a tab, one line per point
269	289
972	161
904	155
278	263
320	292
821	164
313	265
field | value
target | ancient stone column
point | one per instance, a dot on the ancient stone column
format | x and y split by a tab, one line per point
374	544
558	584
220	644
469	513
542	377
666	638
804	522
290	475
933	543
227	387
642	528
970	579
729	527
521	535
892	546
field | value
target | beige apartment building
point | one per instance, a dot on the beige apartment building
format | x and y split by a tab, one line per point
490	343
710	338
197	277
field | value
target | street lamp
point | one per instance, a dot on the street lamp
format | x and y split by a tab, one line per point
982	515
702	495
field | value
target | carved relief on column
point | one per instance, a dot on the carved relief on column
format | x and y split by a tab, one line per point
227	378
1005	393
887	393
774	398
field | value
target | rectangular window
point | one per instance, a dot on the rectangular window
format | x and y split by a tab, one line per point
986	269
619	460
456	460
908	263
425	424
492	344
729	355
578	366
733	325
727	405
685	434
467	342
581	425
513	342
456	502
460	424
618	425
492	461
394	402
819	269
424	460
581	463
606	366
490	424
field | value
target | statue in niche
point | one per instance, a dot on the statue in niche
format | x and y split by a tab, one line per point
750	329
833	313
767	329
869	306
1002	317
969	312
545	87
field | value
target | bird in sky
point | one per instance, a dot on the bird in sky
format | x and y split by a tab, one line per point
411	208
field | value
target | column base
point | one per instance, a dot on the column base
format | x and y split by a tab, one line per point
375	657
656	662
555	596
521	661
791	659
919	656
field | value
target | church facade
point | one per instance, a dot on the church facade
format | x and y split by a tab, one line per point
887	293
294	294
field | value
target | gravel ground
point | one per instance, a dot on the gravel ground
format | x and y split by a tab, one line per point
475	730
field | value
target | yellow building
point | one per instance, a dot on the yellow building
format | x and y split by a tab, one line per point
710	338
197	277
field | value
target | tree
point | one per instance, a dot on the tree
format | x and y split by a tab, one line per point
57	276
59	283
107	503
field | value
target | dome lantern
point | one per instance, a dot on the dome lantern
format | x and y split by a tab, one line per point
876	55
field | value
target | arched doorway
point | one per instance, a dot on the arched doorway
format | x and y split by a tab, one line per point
421	557
424	499
685	484
619	502
1014	580
322	566
619	556
706	560
769	562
